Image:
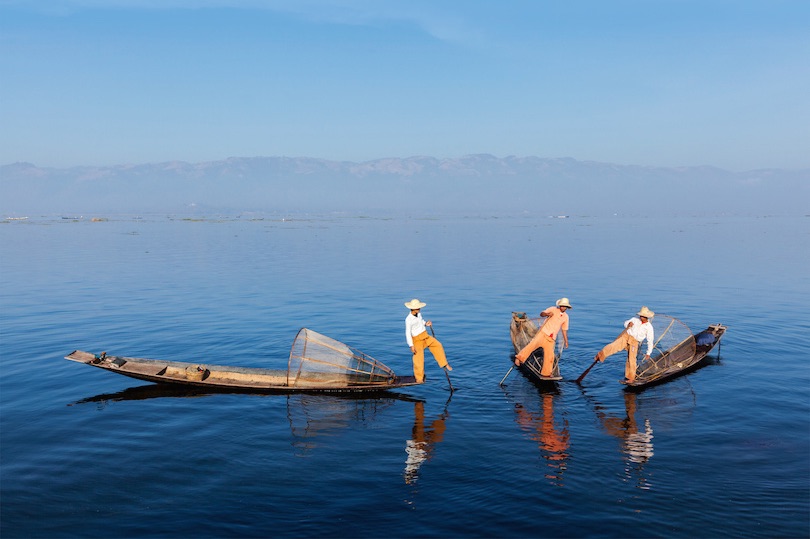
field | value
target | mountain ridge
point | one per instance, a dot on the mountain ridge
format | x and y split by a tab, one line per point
476	182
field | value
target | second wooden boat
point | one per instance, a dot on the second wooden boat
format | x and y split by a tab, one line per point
682	354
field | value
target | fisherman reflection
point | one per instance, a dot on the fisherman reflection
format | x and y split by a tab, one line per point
423	441
636	438
553	441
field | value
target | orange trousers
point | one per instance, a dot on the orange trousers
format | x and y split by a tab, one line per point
623	342
540	340
420	342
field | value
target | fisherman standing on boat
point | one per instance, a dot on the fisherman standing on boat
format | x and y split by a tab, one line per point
418	339
636	330
557	321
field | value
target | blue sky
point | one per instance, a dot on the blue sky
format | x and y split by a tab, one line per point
650	82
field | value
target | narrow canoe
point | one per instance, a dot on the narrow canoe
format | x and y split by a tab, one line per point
317	364
227	377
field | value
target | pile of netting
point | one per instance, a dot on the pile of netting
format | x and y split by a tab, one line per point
674	349
317	360
522	330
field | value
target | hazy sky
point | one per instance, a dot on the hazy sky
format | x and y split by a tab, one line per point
651	82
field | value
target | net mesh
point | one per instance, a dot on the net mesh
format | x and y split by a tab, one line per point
317	360
674	349
522	330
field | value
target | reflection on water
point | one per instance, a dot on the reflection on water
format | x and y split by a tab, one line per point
151	391
423	440
314	416
552	439
310	415
636	438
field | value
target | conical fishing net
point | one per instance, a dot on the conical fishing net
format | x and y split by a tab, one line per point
674	349
317	361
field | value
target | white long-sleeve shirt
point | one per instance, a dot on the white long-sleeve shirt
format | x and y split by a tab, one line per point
641	331
414	325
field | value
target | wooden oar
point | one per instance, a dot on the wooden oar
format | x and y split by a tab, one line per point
433	334
595	361
581	376
452	389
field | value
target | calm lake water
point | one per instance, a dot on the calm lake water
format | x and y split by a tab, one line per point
724	451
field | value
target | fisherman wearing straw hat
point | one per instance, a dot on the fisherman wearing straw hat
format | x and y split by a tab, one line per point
546	336
418	339
636	330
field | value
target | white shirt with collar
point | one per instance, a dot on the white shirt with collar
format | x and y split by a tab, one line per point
414	325
641	331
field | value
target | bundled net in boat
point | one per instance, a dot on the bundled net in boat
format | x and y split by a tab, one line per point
317	361
522	330
674	349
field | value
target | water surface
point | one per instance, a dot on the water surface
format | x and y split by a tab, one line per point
724	451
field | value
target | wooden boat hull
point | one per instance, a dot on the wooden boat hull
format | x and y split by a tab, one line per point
696	361
521	331
232	378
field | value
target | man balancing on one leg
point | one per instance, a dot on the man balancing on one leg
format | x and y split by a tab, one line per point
557	321
636	330
418	339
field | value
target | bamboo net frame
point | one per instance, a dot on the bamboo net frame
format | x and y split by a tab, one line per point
674	349
316	358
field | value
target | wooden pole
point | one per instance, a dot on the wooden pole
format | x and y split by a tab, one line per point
581	376
507	374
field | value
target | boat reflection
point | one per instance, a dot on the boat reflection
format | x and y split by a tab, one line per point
424	438
552	436
160	391
317	416
311	416
149	391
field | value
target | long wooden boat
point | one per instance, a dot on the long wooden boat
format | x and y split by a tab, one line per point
686	356
522	330
316	364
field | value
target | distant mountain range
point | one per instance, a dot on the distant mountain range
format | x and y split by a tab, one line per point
473	184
